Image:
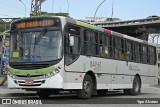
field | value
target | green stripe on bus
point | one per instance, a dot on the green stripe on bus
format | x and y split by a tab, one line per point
32	72
86	25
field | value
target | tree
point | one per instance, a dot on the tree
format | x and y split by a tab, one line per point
4	25
144	32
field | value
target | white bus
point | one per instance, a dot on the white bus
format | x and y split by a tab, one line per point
52	54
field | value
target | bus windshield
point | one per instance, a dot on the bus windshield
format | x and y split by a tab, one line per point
36	46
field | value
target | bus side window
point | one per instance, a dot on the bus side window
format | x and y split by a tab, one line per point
121	49
127	50
103	46
86	44
116	48
110	46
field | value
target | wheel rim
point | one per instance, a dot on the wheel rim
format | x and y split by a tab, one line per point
87	87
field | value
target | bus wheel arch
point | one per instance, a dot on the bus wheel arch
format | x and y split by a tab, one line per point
88	86
136	89
92	75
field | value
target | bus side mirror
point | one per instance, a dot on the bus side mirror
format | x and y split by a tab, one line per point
71	40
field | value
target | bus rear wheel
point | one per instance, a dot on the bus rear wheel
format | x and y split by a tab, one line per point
44	93
87	88
136	87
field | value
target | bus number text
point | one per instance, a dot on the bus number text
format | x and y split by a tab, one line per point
95	65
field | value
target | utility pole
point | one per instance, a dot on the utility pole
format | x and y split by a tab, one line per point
36	8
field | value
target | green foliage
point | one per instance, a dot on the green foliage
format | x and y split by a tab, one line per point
4	25
55	14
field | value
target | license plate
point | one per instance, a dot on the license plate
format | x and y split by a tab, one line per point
29	82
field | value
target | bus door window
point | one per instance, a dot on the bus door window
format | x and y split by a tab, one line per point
72	43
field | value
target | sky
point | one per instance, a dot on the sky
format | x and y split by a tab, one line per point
79	9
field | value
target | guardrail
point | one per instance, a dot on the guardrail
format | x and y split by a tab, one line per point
127	23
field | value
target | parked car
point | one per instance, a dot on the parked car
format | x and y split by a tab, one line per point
112	19
154	16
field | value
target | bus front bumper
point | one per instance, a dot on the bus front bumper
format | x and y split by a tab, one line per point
54	82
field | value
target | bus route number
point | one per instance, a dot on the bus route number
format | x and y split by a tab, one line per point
95	65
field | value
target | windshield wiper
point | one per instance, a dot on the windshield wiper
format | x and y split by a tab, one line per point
38	39
42	34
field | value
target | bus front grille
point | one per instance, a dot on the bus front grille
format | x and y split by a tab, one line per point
29	76
30	85
34	82
29	66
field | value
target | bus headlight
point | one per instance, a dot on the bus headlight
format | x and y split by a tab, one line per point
11	75
56	71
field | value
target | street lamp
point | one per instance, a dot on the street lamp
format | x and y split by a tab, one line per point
52	5
68	6
112	8
24	6
98	8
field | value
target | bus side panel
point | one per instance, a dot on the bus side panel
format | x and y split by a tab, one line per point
73	80
121	81
104	81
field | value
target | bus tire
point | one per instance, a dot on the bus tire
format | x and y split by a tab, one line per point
87	88
136	87
44	93
102	92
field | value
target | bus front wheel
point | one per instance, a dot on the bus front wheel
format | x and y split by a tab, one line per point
87	88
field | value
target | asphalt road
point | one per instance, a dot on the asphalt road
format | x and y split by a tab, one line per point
112	99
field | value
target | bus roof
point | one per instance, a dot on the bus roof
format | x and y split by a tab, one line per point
84	24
